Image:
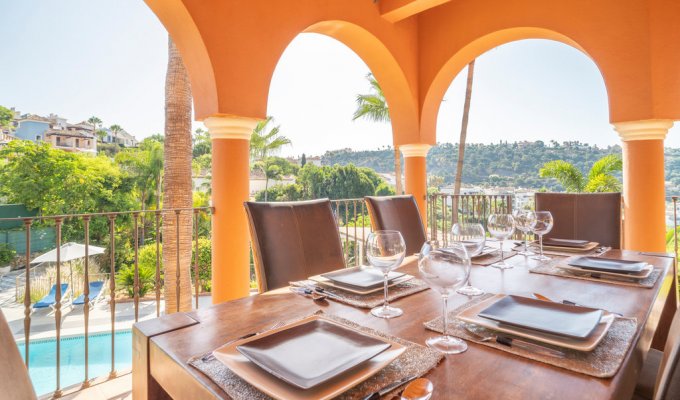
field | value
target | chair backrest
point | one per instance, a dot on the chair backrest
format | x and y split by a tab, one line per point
668	378
15	382
398	213
588	216
293	240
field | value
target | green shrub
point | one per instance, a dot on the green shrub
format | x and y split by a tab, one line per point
384	189
7	254
126	279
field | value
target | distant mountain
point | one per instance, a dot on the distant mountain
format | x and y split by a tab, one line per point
501	164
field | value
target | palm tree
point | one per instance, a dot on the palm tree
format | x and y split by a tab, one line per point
373	107
177	190
115	130
600	178
264	143
463	128
95	121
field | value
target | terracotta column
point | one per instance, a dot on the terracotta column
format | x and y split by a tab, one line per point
644	193
230	188
415	174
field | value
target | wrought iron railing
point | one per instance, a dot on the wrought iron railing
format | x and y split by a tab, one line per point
354	225
126	230
444	210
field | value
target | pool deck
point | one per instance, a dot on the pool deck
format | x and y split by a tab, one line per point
119	389
73	319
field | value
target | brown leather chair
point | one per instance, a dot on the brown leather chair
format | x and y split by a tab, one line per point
398	213
15	382
660	375
293	241
588	216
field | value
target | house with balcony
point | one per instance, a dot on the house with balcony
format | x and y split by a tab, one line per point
72	140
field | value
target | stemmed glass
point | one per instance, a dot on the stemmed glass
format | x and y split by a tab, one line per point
385	251
445	270
543	225
525	220
501	227
473	237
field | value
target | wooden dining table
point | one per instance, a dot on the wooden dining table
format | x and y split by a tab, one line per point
162	347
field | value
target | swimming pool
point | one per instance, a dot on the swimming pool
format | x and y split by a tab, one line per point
43	364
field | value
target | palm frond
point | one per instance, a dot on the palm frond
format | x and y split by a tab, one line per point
603	183
372	106
566	174
606	166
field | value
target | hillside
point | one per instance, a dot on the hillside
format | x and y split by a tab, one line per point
500	164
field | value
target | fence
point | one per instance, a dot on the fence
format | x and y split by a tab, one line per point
126	230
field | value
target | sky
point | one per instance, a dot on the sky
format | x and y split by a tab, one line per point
79	58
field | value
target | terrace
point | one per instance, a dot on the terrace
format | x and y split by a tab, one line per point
414	48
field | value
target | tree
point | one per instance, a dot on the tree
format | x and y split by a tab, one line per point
201	143
373	107
263	143
463	128
177	190
303	160
600	178
115	130
6	117
95	122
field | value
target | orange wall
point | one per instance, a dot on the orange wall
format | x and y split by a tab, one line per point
415	174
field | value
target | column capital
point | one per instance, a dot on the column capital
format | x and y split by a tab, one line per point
415	149
230	127
649	129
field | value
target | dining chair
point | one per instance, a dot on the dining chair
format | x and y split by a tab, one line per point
587	216
660	375
293	241
15	382
398	213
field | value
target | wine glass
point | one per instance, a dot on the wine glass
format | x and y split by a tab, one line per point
385	251
473	237
501	227
525	220
445	270
543	225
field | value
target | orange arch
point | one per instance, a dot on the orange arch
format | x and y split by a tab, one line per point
184	32
442	80
401	99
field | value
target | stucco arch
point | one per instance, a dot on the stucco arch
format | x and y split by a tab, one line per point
442	80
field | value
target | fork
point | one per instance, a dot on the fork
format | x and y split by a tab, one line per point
513	342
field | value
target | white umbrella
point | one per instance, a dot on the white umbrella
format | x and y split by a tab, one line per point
69	252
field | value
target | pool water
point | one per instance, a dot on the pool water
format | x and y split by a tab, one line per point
43	360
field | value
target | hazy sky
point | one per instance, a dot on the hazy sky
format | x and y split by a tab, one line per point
79	58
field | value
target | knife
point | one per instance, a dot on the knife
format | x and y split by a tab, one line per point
379	393
518	343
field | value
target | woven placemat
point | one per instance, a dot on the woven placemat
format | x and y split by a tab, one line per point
552	268
416	360
371	300
492	258
596	251
603	362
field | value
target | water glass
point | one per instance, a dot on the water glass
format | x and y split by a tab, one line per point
501	227
385	251
525	221
473	237
445	270
543	225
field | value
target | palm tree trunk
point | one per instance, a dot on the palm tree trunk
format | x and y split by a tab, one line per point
177	190
463	138
266	187
397	169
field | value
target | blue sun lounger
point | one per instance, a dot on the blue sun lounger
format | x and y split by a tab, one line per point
96	290
50	299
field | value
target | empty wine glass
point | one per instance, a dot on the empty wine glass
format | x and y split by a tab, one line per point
501	227
473	237
543	225
445	270
525	220
385	251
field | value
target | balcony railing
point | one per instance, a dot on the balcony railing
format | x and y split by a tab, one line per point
122	234
444	210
